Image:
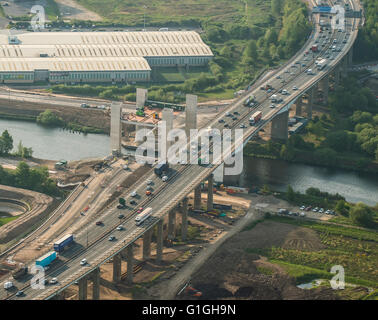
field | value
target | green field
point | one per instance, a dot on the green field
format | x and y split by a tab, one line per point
165	12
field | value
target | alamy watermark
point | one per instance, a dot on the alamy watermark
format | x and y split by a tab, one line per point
205	147
39	19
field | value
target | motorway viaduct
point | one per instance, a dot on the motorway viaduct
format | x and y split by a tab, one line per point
174	195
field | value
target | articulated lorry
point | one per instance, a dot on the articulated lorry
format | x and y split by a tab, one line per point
321	64
144	215
63	242
45	260
256	117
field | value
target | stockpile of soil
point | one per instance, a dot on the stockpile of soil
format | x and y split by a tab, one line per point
232	272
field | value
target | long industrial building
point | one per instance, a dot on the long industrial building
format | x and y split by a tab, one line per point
83	57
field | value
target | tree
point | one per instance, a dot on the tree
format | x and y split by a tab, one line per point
341	208
49	118
276	7
6	142
361	215
23	152
251	50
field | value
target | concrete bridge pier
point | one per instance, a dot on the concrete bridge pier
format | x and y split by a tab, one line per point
141	97
280	126
83	288
184	219
210	191
159	241
324	85
310	103
117	265
350	56
115	126
197	198
172	224
130	263
96	284
298	106
190	114
337	76
147	244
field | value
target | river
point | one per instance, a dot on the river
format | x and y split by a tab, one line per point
54	143
278	174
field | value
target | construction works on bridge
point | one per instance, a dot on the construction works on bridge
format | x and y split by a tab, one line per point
299	78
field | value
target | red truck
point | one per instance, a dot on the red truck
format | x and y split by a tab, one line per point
256	117
314	48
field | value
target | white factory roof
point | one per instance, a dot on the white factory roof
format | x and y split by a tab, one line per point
92	51
74	64
101	44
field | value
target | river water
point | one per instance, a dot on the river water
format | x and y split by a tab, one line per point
56	144
278	174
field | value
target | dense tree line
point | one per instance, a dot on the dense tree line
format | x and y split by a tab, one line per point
36	179
366	48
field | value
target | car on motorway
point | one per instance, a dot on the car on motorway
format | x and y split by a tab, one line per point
99	223
221	121
149	182
242	126
133	194
164	178
226	125
120	227
278	77
148	193
133	202
112	238
54	281
121	216
20	293
295	88
83	262
140	210
272	106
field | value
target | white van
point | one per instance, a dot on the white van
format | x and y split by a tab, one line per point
8	285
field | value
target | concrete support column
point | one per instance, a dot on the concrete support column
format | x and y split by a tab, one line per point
115	126
190	113
337	76
141	97
197	198
147	244
96	284
298	106
350	56
172	224
325	89
159	241
184	219
310	103
345	67
280	126
117	265
83	288
210	186
130	263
